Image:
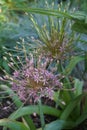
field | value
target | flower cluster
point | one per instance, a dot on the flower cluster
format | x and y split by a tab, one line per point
34	80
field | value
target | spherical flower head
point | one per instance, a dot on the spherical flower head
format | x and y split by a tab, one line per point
35	81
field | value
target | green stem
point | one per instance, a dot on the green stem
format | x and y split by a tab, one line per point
41	115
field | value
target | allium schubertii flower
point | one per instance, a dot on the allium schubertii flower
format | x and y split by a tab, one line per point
35	81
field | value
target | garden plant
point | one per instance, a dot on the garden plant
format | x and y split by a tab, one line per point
43	65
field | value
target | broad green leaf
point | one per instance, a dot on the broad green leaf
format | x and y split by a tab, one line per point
34	109
59	125
74	60
13	125
70	107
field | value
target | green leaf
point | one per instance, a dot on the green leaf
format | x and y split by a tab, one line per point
13	125
81	118
78	85
34	109
70	107
79	15
74	60
51	12
59	125
41	114
80	27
